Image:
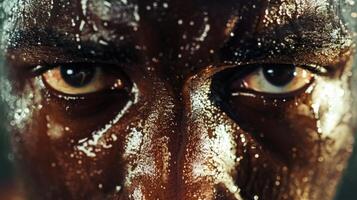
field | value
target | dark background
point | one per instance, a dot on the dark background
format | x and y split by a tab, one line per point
346	190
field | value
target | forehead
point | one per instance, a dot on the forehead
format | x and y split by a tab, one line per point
131	12
187	32
127	11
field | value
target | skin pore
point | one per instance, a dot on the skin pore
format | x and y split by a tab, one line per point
178	99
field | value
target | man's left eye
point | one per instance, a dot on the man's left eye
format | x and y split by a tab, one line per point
277	79
77	79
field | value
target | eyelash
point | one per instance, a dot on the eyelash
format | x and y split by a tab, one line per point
44	67
317	69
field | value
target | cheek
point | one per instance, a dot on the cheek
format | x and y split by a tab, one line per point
220	159
331	102
68	149
101	147
24	105
261	144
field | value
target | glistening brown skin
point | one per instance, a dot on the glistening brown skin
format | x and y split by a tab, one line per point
180	126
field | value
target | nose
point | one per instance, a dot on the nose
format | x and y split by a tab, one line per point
151	146
185	149
208	162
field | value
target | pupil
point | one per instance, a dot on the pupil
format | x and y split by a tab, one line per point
77	76
280	75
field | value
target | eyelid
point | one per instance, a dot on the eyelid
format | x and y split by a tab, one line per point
314	68
40	69
43	68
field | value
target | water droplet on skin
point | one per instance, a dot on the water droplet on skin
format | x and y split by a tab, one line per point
95	28
78	39
108	4
84	4
102	42
321	159
305	179
81	26
73	23
114	137
118	188
277	183
54	130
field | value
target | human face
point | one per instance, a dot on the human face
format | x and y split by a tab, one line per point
178	99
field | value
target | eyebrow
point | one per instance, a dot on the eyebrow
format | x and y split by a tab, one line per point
41	40
306	34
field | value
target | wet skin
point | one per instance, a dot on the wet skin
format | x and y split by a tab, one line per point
188	118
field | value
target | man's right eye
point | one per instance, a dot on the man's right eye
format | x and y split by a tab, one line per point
84	91
81	79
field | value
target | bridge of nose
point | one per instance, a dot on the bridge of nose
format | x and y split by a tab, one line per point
208	159
188	147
